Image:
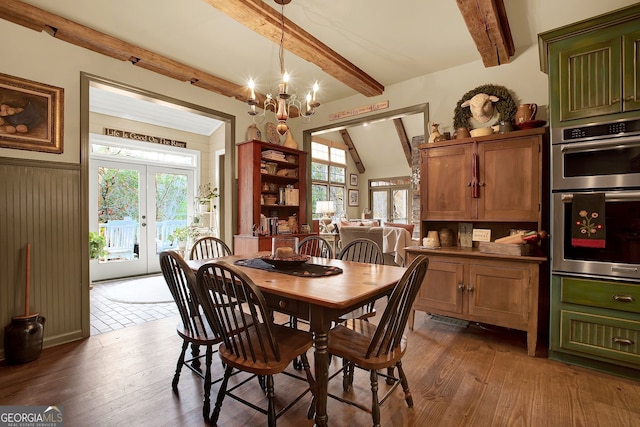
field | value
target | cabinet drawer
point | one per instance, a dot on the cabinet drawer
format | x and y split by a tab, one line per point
602	336
597	293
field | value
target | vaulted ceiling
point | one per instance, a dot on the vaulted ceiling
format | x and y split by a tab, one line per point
350	47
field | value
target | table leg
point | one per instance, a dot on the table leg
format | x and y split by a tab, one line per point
320	325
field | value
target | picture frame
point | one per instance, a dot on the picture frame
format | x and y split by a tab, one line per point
354	198
353	179
31	115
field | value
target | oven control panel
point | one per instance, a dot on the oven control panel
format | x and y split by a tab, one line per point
619	128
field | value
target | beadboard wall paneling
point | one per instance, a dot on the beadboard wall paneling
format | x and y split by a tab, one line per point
40	204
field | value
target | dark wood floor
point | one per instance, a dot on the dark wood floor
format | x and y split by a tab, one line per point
458	377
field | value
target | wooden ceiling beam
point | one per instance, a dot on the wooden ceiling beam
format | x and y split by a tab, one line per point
489	27
404	140
40	20
352	150
266	21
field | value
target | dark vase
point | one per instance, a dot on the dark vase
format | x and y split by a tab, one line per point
23	339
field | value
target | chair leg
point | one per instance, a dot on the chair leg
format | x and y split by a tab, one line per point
221	393
375	405
312	385
347	374
271	395
405	385
176	376
207	384
195	353
390	379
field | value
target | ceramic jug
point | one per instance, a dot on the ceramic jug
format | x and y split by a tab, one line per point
526	113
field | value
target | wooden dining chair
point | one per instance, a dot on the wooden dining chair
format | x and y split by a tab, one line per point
209	247
373	348
193	328
361	250
315	246
251	341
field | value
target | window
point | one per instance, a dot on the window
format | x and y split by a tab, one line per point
391	199
328	175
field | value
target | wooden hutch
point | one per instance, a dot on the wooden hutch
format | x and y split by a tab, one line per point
494	182
279	191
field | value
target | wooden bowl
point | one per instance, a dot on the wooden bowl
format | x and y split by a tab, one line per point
481	132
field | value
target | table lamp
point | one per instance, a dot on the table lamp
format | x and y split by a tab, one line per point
326	208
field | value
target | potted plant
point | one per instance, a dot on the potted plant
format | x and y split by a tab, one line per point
206	193
179	237
97	245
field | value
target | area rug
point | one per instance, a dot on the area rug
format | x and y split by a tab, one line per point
147	290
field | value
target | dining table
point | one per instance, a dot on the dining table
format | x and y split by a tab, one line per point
318	298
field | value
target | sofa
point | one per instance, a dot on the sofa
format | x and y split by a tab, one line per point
390	239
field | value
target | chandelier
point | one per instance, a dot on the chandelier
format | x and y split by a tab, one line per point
285	101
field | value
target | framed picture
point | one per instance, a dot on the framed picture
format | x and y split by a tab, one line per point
31	115
353	179
353	198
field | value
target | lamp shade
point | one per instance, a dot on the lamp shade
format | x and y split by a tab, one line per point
325	207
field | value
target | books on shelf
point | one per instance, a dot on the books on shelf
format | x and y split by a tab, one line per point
273	155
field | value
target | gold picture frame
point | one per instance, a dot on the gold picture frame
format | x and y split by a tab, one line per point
31	115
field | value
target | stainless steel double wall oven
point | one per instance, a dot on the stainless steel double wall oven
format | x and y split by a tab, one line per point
598	158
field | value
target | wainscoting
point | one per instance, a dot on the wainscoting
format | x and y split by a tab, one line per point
40	204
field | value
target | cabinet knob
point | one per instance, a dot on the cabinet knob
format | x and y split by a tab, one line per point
623	298
460	287
622	341
282	304
469	184
470	288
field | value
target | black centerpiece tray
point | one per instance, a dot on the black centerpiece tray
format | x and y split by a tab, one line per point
284	263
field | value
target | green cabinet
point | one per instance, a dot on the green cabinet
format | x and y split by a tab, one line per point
594	70
596	324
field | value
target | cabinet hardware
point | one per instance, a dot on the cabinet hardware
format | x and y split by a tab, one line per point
282	304
622	341
470	288
615	100
623	298
629	98
460	287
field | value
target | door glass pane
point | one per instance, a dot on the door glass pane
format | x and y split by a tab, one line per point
171	208
380	205
400	206
118	212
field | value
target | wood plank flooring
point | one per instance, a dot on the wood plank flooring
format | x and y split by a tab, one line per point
458	377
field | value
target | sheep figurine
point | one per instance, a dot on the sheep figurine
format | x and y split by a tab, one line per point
483	112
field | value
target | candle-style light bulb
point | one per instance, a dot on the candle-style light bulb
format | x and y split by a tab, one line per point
283	85
308	112
252	85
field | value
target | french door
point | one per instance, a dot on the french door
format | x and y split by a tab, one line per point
391	204
136	207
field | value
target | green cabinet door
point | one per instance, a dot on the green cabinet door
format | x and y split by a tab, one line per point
588	82
632	71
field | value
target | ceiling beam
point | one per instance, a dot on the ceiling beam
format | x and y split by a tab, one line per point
266	21
40	20
404	140
489	27
352	150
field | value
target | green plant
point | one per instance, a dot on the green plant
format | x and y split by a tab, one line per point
179	234
97	244
206	192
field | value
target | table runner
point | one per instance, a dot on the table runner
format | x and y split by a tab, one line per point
303	270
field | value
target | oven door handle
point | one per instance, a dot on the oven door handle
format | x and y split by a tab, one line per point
600	145
627	196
